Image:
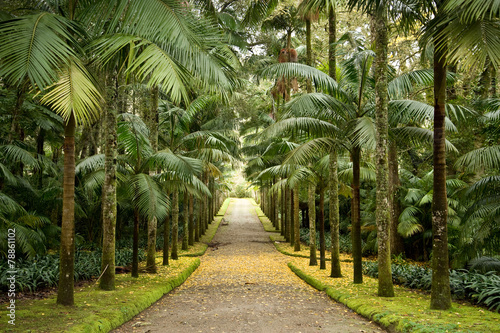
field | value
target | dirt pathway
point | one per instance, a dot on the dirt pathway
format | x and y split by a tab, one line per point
244	285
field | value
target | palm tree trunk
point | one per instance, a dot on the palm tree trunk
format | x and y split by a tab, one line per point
185	212
107	281
286	214
197	223
135	245
334	215
296	222
397	245
382	214
282	211
152	122
355	217
313	261
65	292
192	226
440	290
166	239
175	223
332	36
321	218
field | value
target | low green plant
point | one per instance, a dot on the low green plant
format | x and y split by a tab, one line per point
483	289
43	271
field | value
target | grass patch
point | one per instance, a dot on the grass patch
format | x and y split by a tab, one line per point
407	312
267	224
223	208
101	311
284	247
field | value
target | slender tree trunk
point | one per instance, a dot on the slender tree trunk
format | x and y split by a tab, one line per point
440	290
287	214
192	226
107	281
65	295
135	245
166	239
355	217
382	214
185	212
397	245
308	50
276	209
332	36
313	261
152	122
321	218
296	222
40	141
333	182
175	223
197	233
282	211
334	215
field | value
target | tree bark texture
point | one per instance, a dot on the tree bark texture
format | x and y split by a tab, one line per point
397	245
107	281
192	226
152	122
135	245
321	219
382	213
313	261
166	239
296	222
356	216
185	213
175	224
440	290
334	215
65	291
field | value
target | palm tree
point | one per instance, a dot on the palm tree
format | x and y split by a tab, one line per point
473	26
47	54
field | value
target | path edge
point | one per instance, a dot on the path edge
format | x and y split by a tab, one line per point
388	321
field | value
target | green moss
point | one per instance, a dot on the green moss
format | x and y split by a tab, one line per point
223	208
310	280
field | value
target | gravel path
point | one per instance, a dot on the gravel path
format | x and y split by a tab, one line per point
244	285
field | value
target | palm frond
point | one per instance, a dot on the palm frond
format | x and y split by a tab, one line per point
408	223
74	93
184	167
486	157
148	197
36	46
321	81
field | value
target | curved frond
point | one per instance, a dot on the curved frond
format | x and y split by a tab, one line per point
486	157
36	46
74	93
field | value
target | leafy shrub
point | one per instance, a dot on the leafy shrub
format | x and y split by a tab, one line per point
43	271
483	289
484	265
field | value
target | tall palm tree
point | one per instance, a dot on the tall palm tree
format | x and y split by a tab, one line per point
473	25
47	53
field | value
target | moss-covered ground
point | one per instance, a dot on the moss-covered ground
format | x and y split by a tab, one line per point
101	311
407	312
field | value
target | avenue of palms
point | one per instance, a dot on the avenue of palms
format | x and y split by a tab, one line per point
127	123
